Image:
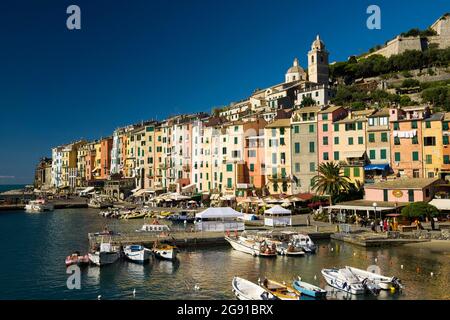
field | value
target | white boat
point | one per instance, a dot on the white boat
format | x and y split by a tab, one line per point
246	290
344	280
107	254
137	253
288	249
385	283
39	205
99	203
164	251
304	241
252	247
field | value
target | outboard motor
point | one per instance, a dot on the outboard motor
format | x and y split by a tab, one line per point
397	283
371	287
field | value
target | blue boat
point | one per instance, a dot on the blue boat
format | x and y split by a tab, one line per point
309	289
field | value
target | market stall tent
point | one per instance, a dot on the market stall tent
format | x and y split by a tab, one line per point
277	216
219	219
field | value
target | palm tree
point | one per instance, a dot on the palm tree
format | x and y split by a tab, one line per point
329	180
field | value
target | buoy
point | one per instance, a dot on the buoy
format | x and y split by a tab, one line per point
392	289
431	273
99	297
401	267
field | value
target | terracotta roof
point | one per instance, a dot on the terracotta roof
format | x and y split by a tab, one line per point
280	123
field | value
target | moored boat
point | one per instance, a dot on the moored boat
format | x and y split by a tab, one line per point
137	253
251	246
164	251
384	282
308	289
155	226
107	254
39	205
303	241
288	249
247	290
280	290
77	258
343	280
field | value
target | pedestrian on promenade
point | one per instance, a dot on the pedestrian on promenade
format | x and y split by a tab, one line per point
381	225
432	223
330	218
386	225
308	221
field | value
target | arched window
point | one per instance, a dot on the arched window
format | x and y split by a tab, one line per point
312	59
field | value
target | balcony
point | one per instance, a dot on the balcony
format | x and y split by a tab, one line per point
186	168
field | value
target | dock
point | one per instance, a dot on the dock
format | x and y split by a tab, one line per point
368	239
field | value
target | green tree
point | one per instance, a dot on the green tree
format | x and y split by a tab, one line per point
419	209
409	83
329	180
308	101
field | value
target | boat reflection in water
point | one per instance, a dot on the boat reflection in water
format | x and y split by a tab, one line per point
167	266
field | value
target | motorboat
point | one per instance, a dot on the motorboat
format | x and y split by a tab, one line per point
182	216
344	280
308	289
303	241
251	246
99	203
137	253
384	282
280	290
247	290
289	249
106	254
39	205
164	251
77	258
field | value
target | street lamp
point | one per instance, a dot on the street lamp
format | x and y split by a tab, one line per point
375	209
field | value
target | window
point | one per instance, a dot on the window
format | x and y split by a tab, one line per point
397	156
297	167
297	147
371	137
336	127
229	183
415	156
252	167
360	125
347	171
429	159
296	129
251	153
414	124
371	154
356	172
325	127
312	166
224	150
445	125
360	140
385	195
336	155
429	141
274	132
384	137
350	141
428	124
416	173
236	128
281	131
325	116
275	187
383	154
311	128
411	195
396	126
350	127
229	168
235	140
415	140
283	172
325	141
283	158
445	140
311	147
336	140
325	156
274	158
446	159
282	142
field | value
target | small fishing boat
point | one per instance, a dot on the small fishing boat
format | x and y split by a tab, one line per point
164	251
107	254
385	283
251	246
99	203
77	258
304	241
39	205
137	215
247	290
344	280
280	290
137	253
155	226
288	249
308	289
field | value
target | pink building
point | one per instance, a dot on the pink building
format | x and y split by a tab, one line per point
325	131
402	190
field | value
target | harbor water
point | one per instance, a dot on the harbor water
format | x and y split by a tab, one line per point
34	247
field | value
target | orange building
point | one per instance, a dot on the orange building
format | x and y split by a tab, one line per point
105	158
254	153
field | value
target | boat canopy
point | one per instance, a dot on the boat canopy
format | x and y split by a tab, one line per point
218	213
383	167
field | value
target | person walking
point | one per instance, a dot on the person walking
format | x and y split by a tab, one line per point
385	225
308	221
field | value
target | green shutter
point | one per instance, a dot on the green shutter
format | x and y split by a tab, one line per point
397	156
384	137
371	154
360	140
356	172
336	127
383	154
371	137
336	155
415	156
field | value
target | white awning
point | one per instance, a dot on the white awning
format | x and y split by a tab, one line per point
354	154
277	210
215	213
87	190
441	204
188	187
361	208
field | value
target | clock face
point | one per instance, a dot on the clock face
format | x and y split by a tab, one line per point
397	193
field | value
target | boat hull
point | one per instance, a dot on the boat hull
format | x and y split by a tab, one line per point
140	256
165	254
246	290
309	291
383	282
342	285
104	258
247	248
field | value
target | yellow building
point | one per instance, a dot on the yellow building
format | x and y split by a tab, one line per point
69	167
149	154
433	145
277	141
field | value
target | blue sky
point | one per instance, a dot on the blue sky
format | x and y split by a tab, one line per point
137	60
